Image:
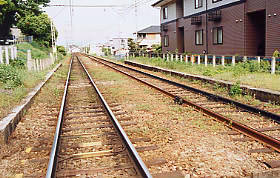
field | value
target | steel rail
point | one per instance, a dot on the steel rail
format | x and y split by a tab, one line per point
143	170
250	132
273	116
55	147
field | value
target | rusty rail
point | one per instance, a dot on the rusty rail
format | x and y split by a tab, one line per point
250	132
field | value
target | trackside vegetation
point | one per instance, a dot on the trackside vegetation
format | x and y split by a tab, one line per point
246	73
16	81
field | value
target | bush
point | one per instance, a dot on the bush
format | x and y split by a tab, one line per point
235	89
9	76
20	64
276	53
61	50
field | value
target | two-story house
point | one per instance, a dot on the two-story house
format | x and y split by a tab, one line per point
229	27
149	36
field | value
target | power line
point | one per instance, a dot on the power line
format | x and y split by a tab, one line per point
92	6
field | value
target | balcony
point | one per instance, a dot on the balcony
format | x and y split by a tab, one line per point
215	16
197	20
164	28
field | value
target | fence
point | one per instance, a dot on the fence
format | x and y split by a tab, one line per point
9	53
38	64
213	60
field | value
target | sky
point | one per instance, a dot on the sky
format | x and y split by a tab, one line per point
99	25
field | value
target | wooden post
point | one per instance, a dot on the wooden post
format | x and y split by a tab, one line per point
244	58
7	55
206	60
172	57
181	58
1	55
192	59
176	57
259	59
273	64
198	59
35	65
223	60
214	61
167	57
12	52
233	60
29	60
186	59
15	52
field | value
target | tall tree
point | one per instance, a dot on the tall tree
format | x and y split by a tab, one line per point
13	10
39	26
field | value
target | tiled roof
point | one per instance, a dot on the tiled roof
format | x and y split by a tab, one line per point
151	29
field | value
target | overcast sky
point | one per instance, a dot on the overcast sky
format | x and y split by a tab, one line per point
94	25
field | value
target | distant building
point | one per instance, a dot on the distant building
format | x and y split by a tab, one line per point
96	49
119	46
149	36
229	27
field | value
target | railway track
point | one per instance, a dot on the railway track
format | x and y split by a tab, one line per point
89	140
248	123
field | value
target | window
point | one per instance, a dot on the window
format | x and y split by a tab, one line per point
214	1
199	37
165	13
218	35
166	41
198	3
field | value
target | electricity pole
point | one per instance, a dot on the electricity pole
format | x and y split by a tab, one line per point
136	20
53	40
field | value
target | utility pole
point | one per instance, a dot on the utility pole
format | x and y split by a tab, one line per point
53	40
136	19
71	21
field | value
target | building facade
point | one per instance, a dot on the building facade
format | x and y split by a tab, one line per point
119	46
148	37
221	27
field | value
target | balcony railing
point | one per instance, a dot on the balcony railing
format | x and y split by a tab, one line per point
215	15
197	20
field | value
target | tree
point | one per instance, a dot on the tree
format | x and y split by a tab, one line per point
156	48
132	46
37	26
13	10
62	50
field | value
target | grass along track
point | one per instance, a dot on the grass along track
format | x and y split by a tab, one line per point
27	151
234	92
240	72
189	141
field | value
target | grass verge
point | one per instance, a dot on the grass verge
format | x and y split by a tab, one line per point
248	73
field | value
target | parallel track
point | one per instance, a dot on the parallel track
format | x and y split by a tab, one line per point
85	116
255	123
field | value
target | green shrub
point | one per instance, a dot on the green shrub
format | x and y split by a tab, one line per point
235	89
9	76
20	64
61	50
276	53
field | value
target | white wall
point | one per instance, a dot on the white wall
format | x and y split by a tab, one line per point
171	13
